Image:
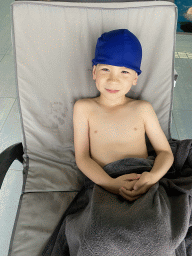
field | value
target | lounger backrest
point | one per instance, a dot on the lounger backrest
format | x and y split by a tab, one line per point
54	44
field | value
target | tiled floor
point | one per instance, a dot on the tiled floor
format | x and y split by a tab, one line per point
10	128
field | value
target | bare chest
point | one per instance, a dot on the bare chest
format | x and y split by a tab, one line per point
118	127
115	135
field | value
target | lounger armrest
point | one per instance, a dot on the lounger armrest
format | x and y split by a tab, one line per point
8	156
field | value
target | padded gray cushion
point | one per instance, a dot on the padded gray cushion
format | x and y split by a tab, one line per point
54	44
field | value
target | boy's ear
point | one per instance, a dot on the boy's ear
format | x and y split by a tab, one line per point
94	72
136	78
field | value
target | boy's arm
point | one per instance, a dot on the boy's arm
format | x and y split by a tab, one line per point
158	140
162	164
163	160
81	143
94	172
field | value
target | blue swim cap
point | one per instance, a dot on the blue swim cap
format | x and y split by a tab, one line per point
119	48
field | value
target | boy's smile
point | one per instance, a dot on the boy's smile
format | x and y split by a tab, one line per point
113	82
112	91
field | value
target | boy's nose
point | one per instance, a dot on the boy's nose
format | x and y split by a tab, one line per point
113	77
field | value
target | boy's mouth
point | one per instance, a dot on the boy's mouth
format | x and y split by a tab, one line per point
112	91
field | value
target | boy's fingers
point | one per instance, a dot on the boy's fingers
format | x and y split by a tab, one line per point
129	185
127	197
133	176
133	193
139	184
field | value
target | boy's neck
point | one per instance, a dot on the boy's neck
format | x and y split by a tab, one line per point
112	103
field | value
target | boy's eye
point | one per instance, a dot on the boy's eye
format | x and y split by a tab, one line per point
108	69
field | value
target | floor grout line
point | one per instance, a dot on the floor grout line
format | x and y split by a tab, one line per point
183	55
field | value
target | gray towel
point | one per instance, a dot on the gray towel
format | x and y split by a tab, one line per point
159	223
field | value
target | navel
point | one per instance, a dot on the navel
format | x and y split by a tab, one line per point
95	131
135	128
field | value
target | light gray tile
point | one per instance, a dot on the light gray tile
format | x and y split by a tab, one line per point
183	43
1	57
5	8
5	47
5	22
5	106
177	99
9	197
174	133
190	64
11	133
5	38
183	90
10	51
7	77
183	122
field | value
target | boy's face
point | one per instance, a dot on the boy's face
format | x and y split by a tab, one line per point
114	78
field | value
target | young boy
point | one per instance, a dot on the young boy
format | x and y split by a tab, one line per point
112	126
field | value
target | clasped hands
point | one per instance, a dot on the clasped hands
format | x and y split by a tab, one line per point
135	185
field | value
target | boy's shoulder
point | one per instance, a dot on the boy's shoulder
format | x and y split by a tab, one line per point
84	102
143	102
145	106
83	105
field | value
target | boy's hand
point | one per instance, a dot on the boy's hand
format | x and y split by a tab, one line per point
127	180
146	181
